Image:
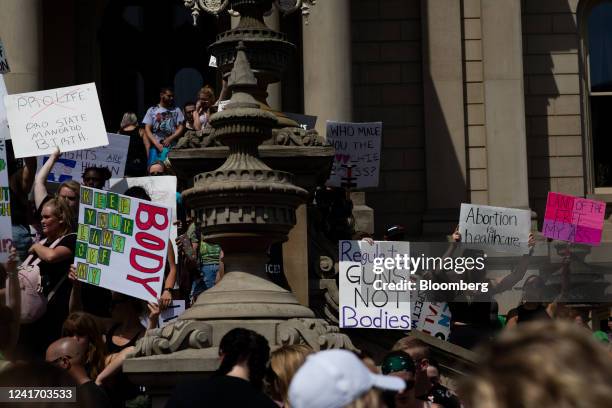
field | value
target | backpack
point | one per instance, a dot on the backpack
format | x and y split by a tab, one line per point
33	302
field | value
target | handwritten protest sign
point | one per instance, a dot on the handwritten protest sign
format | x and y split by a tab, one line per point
4	129
122	243
6	238
362	303
432	318
357	160
505	228
4	65
176	308
70	165
161	189
574	219
69	118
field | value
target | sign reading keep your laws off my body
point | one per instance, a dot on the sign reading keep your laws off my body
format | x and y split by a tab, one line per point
122	243
68	118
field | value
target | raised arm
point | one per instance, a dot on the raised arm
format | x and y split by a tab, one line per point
40	181
518	273
166	297
114	362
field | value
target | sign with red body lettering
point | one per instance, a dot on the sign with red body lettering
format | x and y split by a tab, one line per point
122	243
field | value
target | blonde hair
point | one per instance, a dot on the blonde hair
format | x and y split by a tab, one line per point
541	364
285	361
129	119
417	348
208	91
72	185
63	212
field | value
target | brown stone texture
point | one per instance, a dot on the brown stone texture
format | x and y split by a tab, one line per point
387	87
552	99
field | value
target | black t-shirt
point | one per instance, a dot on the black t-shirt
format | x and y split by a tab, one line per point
439	394
219	391
91	396
51	273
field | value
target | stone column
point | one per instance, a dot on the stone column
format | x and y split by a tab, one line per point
444	114
20	30
504	103
327	62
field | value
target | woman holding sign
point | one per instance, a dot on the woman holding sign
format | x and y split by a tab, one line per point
53	256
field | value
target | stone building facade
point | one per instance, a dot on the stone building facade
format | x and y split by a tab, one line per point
483	101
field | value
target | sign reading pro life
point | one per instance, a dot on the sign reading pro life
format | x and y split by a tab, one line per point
69	118
122	243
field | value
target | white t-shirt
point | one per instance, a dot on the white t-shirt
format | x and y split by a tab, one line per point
163	121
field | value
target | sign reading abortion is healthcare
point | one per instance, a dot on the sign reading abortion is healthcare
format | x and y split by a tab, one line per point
504	228
364	301
122	243
69	118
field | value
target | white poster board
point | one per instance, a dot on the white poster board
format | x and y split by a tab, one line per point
69	118
432	318
4	129
6	237
161	189
122	243
361	304
4	65
505	228
357	160
70	165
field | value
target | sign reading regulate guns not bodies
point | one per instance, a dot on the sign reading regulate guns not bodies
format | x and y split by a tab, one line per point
69	118
357	160
122	243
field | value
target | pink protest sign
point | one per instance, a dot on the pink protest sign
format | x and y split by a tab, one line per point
573	219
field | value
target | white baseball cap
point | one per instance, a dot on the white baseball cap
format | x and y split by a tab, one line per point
335	378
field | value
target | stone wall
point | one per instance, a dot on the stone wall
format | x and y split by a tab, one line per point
552	99
387	86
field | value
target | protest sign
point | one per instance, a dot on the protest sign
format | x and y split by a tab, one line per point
167	316
122	243
363	303
69	118
70	165
574	219
505	228
4	65
161	189
357	160
6	237
432	318
4	129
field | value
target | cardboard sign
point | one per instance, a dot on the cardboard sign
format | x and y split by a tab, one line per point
357	160
505	228
161	189
4	129
361	304
122	243
69	118
574	219
4	65
6	237
70	165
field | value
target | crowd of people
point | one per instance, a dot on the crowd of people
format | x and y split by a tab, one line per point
57	331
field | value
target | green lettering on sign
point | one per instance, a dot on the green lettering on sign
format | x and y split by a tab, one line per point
90	216
127	226
118	243
112	201
107	238
114	222
94	276
100	200
92	256
124	205
102	220
83	232
86	196
95	236
104	255
80	250
82	271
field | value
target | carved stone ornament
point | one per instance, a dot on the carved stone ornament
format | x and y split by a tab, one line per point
316	333
182	334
